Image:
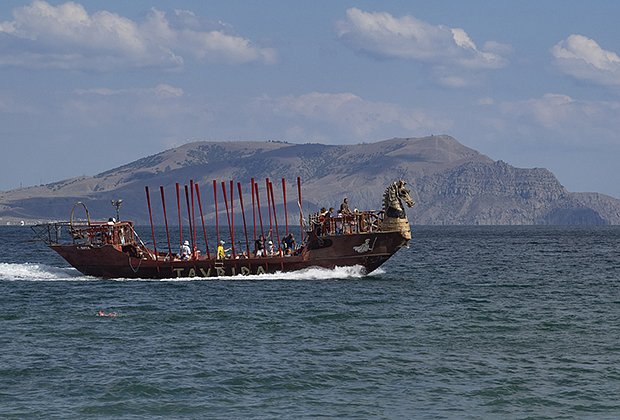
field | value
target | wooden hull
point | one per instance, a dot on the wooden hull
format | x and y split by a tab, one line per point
369	250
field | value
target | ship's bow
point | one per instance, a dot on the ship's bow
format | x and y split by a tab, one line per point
397	224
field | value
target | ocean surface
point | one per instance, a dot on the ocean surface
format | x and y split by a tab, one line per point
468	322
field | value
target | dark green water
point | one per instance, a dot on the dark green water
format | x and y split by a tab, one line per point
490	322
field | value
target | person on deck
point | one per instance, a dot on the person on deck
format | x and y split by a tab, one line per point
221	252
261	243
346	215
339	223
259	246
327	223
344	207
186	252
288	244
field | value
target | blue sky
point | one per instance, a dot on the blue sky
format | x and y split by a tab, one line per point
89	85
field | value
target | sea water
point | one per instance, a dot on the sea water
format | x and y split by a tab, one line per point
468	322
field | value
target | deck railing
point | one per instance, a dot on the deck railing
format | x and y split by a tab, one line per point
356	222
87	233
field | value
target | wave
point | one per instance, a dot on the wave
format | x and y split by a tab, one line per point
312	273
38	272
43	272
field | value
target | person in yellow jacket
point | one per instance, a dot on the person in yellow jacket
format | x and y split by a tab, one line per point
221	252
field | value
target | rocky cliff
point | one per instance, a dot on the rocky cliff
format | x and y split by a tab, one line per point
497	193
451	183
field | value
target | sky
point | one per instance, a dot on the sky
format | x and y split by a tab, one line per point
87	86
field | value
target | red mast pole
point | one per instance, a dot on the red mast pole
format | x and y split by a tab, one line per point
267	182
253	208
179	212
227	212
202	218
232	218
301	213
275	219
193	223
189	216
284	199
163	203
217	219
260	215
148	202
245	229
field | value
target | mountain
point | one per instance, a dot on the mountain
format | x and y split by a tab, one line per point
451	183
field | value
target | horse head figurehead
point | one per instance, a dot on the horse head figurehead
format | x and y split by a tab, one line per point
394	195
395	216
404	194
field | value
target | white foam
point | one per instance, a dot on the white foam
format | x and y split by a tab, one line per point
377	272
38	272
313	273
42	272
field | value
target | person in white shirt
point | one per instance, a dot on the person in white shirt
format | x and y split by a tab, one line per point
186	252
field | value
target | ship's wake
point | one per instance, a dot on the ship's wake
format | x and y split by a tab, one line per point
43	272
39	272
312	273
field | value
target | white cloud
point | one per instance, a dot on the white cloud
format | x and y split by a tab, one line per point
551	111
161	91
166	91
68	37
584	59
486	100
351	116
163	106
385	36
445	78
563	117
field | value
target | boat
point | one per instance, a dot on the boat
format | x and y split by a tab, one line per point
113	249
